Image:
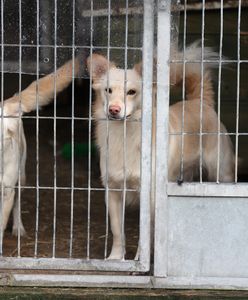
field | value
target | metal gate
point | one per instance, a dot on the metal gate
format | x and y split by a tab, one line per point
50	50
199	228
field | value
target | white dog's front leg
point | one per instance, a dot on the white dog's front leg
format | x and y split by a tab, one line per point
16	221
115	214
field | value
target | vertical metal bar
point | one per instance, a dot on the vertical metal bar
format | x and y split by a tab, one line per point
124	192
54	131
107	137
89	133
146	134
2	124
183	90
162	135
37	129
45	31
238	92
219	90
202	86
72	127
19	129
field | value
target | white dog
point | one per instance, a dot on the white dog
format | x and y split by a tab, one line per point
12	138
117	100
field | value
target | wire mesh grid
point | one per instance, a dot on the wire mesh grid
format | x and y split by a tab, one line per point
63	197
220	131
62	201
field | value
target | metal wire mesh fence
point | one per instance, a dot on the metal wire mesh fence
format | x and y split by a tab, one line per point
115	137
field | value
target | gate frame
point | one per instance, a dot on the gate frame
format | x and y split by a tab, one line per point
165	190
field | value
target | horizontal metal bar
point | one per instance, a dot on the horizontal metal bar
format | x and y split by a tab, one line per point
207	133
71	47
70	118
208	61
123	281
48	280
215	61
187	189
207	189
114	12
74	188
75	264
213	5
213	283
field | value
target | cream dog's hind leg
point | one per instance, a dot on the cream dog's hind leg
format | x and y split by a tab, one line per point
8	201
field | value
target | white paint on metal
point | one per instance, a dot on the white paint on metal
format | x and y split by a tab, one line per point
162	116
76	280
208	190
207	237
146	134
71	264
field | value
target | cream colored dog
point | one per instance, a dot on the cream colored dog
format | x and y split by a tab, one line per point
12	138
117	100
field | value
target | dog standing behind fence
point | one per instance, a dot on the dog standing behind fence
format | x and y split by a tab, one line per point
14	143
117	100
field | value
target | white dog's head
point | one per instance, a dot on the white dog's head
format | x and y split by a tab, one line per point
120	90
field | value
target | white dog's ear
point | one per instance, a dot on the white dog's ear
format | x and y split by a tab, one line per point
138	68
98	65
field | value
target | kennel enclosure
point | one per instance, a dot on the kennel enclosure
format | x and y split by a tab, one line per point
200	235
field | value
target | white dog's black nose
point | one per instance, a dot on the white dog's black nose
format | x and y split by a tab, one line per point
114	110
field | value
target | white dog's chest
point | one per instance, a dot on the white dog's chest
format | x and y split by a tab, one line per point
11	159
120	157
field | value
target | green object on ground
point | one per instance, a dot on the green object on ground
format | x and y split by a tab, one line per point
80	149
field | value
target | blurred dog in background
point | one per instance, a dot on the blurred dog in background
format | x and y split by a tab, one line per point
12	138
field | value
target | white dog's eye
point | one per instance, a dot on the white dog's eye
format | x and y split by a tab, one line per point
131	92
108	90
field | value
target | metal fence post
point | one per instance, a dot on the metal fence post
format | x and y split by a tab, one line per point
161	177
146	147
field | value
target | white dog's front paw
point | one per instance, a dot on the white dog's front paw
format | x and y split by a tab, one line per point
116	253
22	231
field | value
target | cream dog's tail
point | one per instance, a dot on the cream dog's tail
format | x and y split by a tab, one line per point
43	90
193	72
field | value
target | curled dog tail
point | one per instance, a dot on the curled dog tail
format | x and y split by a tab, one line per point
193	72
42	91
